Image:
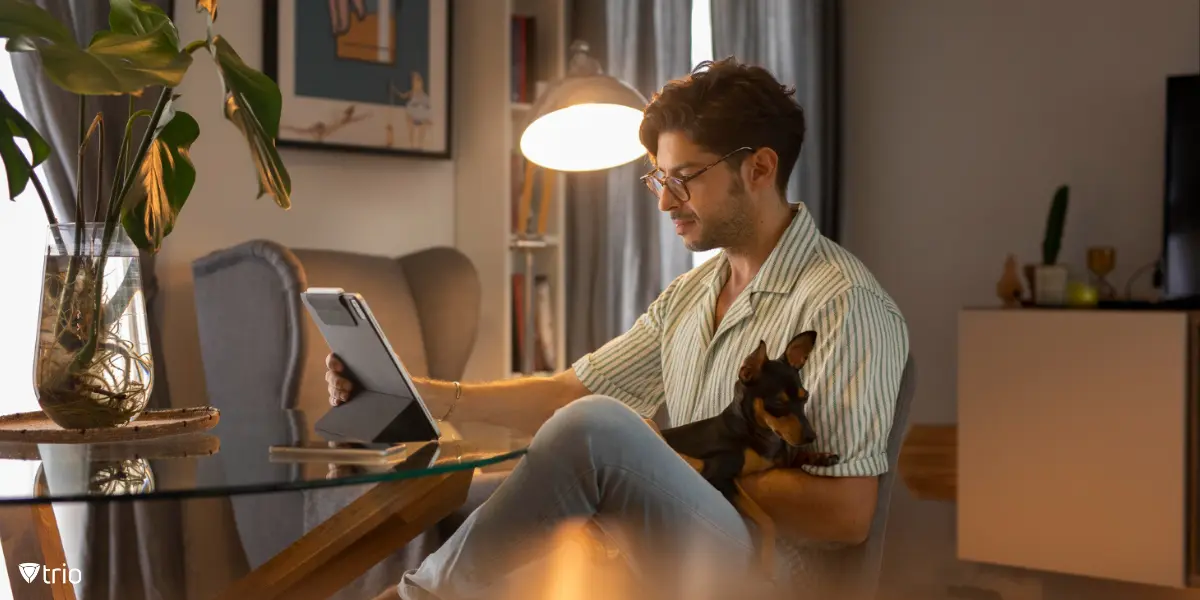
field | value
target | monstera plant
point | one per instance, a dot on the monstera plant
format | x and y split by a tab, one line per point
93	363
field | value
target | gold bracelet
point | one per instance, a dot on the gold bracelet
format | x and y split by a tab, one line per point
457	397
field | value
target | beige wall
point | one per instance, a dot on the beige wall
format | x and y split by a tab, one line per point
961	117
377	204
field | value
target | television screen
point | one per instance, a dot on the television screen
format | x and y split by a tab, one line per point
1181	214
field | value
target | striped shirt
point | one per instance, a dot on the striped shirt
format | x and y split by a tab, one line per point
673	355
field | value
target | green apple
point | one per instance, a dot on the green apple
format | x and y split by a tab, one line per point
1081	294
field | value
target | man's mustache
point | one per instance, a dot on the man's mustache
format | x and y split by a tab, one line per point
682	217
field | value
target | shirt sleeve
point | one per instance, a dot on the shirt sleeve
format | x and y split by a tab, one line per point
629	367
853	378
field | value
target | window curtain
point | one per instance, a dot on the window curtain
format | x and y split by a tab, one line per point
621	251
129	549
799	42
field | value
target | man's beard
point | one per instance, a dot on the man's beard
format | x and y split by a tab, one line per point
730	229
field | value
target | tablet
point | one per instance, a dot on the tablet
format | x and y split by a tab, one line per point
385	407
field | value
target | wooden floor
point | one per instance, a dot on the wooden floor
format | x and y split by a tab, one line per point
928	463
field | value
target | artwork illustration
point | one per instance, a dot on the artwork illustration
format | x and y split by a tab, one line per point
368	75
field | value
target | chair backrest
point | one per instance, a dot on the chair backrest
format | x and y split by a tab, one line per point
853	573
264	359
872	557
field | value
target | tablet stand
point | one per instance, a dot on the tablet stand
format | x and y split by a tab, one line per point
376	418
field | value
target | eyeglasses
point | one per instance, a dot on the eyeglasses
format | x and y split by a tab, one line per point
678	185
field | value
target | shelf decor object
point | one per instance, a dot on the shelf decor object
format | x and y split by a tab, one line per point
586	121
1101	260
362	76
1049	281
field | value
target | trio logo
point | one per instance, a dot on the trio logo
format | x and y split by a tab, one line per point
30	571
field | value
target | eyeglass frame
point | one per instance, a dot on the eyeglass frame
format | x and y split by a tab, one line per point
682	181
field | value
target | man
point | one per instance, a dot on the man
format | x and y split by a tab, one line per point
724	141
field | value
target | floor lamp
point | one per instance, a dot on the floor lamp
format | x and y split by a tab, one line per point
586	121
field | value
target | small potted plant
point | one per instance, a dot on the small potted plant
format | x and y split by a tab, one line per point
1050	278
93	367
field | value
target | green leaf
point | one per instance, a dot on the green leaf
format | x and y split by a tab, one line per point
139	18
17	166
141	50
23	23
166	178
253	103
118	63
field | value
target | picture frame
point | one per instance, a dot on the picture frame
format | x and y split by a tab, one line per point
357	86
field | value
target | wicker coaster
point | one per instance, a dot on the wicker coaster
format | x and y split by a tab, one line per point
187	445
38	428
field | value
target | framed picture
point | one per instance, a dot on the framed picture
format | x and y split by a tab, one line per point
361	75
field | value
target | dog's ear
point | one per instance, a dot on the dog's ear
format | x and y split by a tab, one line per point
799	348
752	366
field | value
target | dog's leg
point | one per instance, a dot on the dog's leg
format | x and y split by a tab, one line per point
694	463
766	529
816	459
753	462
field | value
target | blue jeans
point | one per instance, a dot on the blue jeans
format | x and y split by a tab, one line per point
596	461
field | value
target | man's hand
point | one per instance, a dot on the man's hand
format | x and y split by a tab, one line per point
340	387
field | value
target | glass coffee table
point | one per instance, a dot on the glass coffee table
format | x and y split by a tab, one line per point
407	492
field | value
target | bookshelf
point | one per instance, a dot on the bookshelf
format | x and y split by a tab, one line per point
491	191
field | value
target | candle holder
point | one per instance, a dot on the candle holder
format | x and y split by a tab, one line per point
1101	260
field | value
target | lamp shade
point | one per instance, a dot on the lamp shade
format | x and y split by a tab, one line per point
586	121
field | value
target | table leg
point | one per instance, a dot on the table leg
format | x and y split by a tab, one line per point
29	534
359	536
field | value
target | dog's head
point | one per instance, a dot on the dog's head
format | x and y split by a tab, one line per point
771	393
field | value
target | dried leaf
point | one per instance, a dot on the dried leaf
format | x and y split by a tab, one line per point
207	5
166	178
253	103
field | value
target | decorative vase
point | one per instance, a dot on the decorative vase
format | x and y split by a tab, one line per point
92	366
1050	287
129	477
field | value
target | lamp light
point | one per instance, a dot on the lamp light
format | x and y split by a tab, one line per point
587	121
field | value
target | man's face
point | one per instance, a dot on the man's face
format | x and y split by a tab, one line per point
716	213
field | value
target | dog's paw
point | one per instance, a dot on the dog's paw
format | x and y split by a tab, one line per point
827	460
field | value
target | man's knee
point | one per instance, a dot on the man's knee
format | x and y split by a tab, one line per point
590	423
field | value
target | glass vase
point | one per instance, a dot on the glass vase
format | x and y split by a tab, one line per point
92	366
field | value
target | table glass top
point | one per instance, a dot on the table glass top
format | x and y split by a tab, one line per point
230	459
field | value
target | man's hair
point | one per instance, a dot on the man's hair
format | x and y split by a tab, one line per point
724	105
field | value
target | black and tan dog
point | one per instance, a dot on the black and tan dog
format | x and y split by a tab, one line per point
763	428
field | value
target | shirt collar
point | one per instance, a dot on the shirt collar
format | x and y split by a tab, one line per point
779	272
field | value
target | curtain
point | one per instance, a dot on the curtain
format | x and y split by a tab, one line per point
621	251
799	42
130	549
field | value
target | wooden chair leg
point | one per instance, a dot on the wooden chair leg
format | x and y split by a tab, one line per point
29	534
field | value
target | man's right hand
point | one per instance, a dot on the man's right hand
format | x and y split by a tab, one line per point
340	387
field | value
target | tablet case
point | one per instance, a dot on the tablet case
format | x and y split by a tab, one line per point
383	408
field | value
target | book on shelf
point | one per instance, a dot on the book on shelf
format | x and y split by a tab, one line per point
532	193
544	352
523	56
